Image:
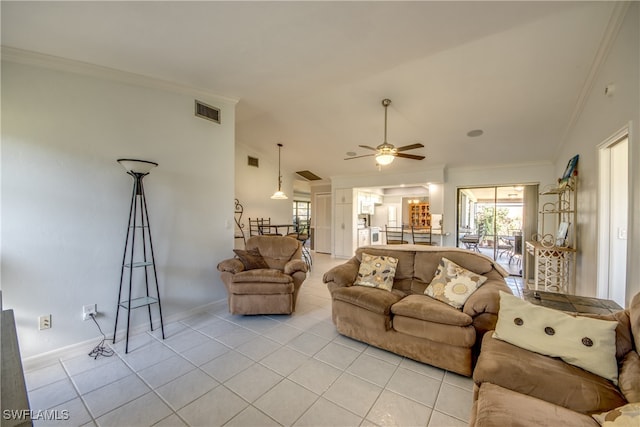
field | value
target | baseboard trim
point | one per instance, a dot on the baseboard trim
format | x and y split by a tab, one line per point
52	357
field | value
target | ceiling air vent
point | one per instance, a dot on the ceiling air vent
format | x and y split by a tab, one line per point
309	175
253	161
207	112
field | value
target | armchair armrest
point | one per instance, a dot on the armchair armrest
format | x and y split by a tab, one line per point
342	275
294	266
233	266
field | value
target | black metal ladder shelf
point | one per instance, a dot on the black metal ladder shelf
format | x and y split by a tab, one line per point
140	257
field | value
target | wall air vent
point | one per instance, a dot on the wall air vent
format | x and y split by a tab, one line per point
253	161
207	112
309	175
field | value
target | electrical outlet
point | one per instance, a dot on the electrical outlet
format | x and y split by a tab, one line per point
88	310
44	322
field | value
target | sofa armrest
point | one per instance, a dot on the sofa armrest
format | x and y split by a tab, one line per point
629	375
233	266
295	265
342	275
486	299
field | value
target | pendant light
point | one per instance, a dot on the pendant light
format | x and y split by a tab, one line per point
279	195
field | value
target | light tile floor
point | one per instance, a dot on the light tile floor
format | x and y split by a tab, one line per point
216	369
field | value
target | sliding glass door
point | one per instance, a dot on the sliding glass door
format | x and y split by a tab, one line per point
491	221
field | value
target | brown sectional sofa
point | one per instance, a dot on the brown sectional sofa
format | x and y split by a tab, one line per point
409	323
517	387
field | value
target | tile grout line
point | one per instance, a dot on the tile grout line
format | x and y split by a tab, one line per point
80	396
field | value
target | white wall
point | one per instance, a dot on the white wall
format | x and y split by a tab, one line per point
65	199
601	117
255	186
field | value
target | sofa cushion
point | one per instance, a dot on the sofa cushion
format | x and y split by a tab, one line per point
276	250
427	262
459	336
537	375
251	288
262	275
372	299
453	284
377	271
425	308
582	341
251	259
497	407
624	416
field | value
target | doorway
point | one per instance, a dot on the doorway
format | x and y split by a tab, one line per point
321	232
491	222
613	201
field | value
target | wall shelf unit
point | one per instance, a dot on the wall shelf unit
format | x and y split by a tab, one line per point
419	215
554	253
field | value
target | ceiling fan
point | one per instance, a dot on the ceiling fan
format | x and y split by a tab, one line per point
385	152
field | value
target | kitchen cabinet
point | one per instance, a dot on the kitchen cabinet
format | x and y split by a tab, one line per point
364	237
365	203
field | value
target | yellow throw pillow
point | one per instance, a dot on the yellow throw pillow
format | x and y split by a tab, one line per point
581	341
377	271
453	284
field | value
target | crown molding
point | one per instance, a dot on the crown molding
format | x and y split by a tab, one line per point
616	20
26	57
504	166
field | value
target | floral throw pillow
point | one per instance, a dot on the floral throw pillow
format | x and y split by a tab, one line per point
453	284
377	271
627	415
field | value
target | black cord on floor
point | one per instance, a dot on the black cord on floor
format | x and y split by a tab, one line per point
101	349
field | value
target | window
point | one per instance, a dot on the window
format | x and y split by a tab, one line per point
301	212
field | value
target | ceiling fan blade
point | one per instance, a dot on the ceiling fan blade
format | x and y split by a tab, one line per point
368	147
410	156
409	147
357	157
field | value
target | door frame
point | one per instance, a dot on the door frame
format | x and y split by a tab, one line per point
603	213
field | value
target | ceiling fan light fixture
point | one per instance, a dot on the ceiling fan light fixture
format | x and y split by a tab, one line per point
386	152
384	159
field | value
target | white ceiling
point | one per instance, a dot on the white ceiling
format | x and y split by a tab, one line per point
312	75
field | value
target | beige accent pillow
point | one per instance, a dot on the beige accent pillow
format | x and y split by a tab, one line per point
377	271
627	415
453	284
581	341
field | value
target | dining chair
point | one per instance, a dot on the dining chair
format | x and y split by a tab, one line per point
396	235
516	252
421	236
265	227
302	235
505	245
254	227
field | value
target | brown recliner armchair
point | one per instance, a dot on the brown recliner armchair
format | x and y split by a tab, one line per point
269	284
